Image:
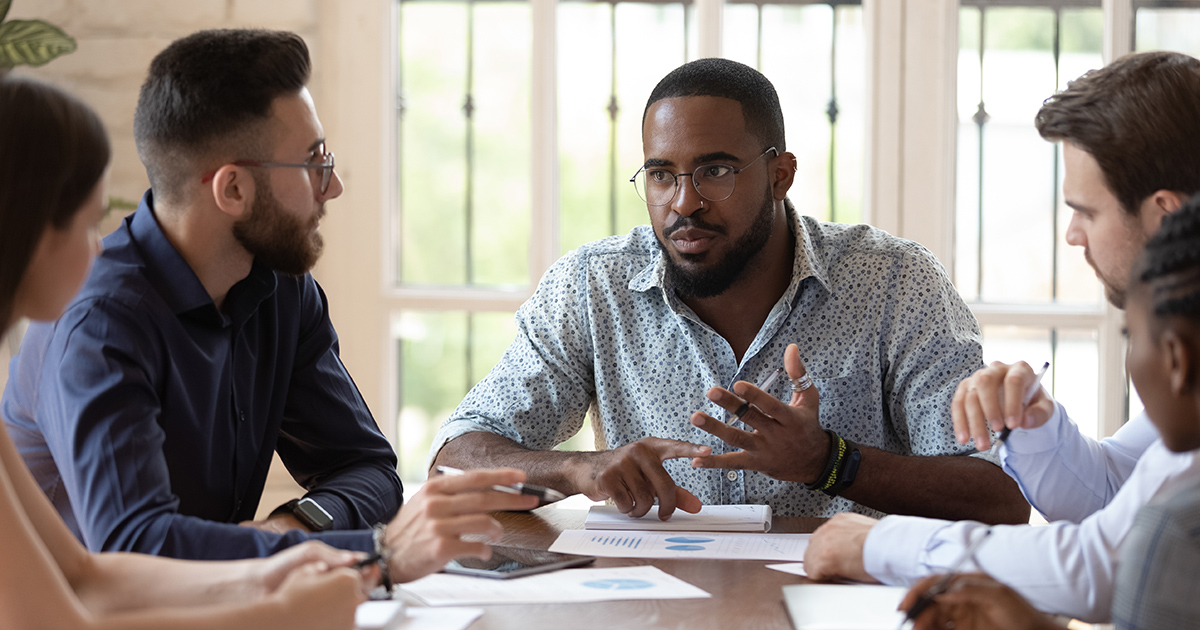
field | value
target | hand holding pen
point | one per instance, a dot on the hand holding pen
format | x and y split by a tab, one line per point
544	495
924	600
998	397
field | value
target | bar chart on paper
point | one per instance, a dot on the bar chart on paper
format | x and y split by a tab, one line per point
700	545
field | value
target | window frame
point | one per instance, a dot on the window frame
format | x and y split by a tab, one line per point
909	180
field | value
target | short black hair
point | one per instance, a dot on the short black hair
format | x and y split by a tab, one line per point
728	79
1139	118
209	95
1170	264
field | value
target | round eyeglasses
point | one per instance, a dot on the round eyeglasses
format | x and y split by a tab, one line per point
322	161
657	186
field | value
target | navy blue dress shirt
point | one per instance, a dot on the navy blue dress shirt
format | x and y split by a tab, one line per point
149	417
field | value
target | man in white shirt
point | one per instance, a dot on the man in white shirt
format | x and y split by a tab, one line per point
1130	157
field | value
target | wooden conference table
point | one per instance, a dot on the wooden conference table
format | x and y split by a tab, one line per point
745	594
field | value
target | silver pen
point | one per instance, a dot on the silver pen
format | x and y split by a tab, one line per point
544	494
765	385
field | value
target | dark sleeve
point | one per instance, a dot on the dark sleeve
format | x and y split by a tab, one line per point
99	414
329	441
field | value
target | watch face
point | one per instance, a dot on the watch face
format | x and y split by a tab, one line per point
313	515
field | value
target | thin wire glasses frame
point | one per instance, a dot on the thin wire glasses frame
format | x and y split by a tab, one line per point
718	180
325	165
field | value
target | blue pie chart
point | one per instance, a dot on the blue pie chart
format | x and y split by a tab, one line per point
618	584
689	539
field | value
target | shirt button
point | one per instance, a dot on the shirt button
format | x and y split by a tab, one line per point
732	475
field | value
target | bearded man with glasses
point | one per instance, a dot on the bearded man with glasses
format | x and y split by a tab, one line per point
661	332
201	345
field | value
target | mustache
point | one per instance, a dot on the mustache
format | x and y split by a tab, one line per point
692	222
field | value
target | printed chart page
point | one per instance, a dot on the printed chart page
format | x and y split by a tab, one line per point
699	545
567	585
711	518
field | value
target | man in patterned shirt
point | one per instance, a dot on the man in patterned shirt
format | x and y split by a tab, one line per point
644	329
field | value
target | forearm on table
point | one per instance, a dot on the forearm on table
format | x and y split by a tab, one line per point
480	449
115	582
946	487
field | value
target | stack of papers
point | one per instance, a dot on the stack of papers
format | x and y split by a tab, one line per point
711	518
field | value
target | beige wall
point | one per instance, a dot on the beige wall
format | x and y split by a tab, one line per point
350	41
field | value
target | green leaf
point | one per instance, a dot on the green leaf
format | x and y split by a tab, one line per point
4	5
32	42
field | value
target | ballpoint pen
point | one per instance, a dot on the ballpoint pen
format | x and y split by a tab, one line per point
1029	392
764	385
940	586
545	495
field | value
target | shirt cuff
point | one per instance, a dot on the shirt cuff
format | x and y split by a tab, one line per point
1037	440
894	547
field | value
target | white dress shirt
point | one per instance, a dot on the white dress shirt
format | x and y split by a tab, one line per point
1094	490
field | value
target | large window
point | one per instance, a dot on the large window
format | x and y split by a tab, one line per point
518	125
1035	296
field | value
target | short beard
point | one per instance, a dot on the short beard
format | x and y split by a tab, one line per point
711	281
1114	293
278	239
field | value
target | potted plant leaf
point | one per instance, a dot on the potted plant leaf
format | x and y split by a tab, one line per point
30	42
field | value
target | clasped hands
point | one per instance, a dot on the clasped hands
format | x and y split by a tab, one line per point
785	441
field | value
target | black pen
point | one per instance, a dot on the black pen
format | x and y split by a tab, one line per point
367	561
544	494
940	586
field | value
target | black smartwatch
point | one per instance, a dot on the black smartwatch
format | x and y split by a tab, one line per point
308	512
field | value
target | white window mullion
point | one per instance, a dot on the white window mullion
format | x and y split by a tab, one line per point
544	249
1113	404
710	27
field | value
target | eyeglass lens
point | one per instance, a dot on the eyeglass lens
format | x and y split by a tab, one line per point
657	186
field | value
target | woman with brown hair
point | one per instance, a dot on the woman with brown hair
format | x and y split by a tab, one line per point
54	156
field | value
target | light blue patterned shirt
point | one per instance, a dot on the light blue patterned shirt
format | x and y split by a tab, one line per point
880	328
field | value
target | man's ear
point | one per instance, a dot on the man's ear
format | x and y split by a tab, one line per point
233	191
1179	353
783	168
1157	206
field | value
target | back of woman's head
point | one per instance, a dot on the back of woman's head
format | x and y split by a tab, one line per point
1170	264
53	152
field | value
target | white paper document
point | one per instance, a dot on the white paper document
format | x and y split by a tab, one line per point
699	545
393	615
711	518
795	568
844	607
568	585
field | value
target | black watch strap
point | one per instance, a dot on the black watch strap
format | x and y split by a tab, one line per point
308	512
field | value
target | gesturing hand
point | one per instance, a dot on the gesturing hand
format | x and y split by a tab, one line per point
428	531
633	476
786	441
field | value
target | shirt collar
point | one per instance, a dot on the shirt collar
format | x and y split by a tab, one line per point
806	263
170	274
178	284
